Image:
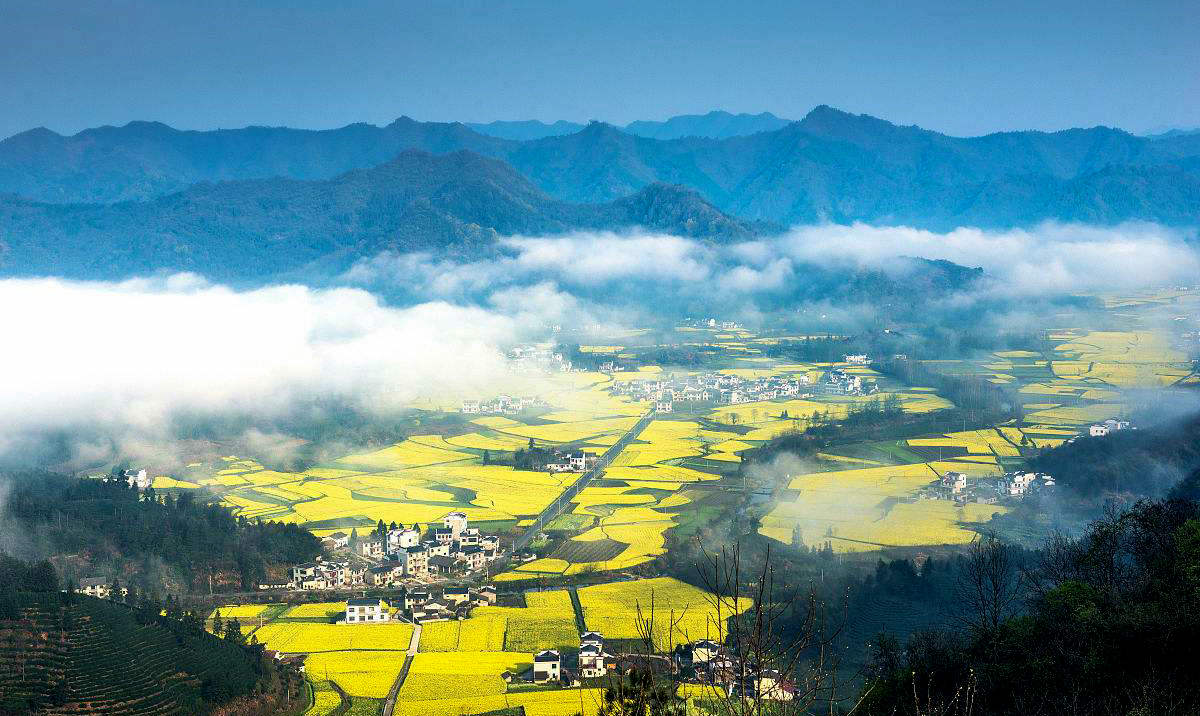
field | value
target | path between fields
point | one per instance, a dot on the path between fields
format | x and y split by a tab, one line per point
389	705
565	498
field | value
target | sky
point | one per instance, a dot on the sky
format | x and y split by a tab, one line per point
959	66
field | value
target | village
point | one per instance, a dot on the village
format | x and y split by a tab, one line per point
389	557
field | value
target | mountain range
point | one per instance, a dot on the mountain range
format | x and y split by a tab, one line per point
146	196
457	204
829	166
716	124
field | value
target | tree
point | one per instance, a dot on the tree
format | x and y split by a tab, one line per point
41	577
487	456
233	630
988	587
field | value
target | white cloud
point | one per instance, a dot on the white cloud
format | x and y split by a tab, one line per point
134	352
1050	258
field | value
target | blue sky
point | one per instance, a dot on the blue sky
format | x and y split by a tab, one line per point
959	66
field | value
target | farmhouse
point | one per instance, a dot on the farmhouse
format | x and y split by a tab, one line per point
594	662
98	587
547	666
415	560
360	611
370	548
402	538
456	522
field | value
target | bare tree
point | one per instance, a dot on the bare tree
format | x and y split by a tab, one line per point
783	648
988	587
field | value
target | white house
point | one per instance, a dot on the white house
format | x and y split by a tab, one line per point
593	660
402	538
705	651
359	611
1098	431
415	560
456	522
370	548
547	665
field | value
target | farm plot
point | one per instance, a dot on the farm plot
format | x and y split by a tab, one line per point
873	508
312	637
669	610
365	674
467	675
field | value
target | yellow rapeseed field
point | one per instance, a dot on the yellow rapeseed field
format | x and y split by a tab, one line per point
368	674
309	637
675	612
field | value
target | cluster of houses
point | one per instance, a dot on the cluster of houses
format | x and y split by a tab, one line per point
323	575
1111	425
402	553
503	405
704	661
838	381
712	388
987	490
571	462
420	605
407	553
711	323
98	587
710	662
537	359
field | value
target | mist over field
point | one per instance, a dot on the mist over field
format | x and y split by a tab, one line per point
128	357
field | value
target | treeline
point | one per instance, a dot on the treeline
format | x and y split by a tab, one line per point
981	399
155	541
1103	624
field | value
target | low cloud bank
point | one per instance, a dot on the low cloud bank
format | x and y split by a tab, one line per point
132	354
1048	259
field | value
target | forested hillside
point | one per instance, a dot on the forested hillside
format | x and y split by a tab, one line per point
63	653
456	204
151	542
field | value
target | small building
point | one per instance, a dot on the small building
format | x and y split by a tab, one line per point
98	587
415	560
456	595
474	557
547	666
706	650
370	548
414	598
443	535
402	538
594	662
360	611
441	564
340	540
456	522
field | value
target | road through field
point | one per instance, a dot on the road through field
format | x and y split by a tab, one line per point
389	704
565	498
